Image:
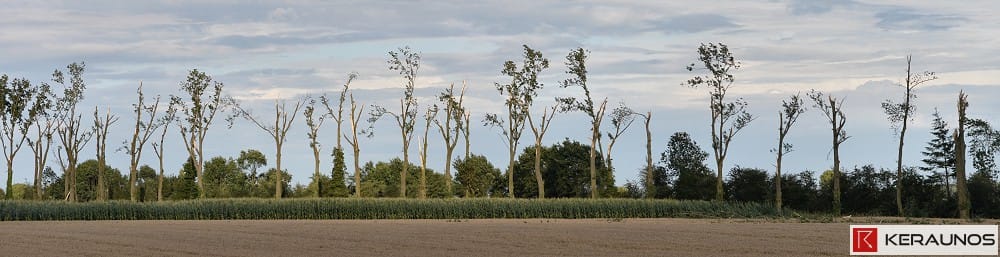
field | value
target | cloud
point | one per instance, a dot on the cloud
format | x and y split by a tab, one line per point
269	50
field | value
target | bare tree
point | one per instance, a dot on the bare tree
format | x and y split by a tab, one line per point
728	118
650	186
169	116
576	61
338	152
407	63
789	113
353	141
621	119
339	115
465	133
278	131
314	123
539	132
899	115
832	110
101	128
455	112
144	129
960	183
520	93
198	116
44	128
428	117
72	139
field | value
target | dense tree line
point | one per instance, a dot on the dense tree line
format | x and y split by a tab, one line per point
35	114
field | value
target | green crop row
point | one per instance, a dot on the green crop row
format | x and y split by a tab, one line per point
371	208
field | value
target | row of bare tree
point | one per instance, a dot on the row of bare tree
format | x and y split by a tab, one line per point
35	115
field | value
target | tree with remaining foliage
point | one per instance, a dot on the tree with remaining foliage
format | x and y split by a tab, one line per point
900	115
20	108
621	119
407	63
101	128
576	62
454	114
72	139
428	117
789	113
833	111
960	183
45	123
336	186
477	176
940	151
169	116
278	131
686	159
339	166
521	92
353	141
314	123
199	114
144	128
728	118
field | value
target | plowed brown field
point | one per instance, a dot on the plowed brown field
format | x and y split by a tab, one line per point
595	237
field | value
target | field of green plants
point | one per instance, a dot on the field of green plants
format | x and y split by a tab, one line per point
371	208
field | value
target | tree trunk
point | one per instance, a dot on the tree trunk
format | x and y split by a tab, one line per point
510	173
406	169
10	177
593	162
538	168
447	171
650	186
719	196
357	170
199	167
960	183
836	161
899	155
277	182
777	169
159	181
316	175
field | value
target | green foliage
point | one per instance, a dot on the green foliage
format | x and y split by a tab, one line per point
661	183
86	183
147	183
477	177
224	179
337	186
940	151
368	208
382	180
748	185
686	159
183	186
984	195
565	171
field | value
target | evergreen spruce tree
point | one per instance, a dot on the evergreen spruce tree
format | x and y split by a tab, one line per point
940	151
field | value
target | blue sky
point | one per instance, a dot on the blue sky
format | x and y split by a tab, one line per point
287	50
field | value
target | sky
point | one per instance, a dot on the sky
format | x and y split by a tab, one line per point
271	51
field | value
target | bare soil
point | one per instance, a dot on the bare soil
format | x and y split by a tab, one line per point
531	237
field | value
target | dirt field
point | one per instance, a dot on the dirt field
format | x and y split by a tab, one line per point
630	237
